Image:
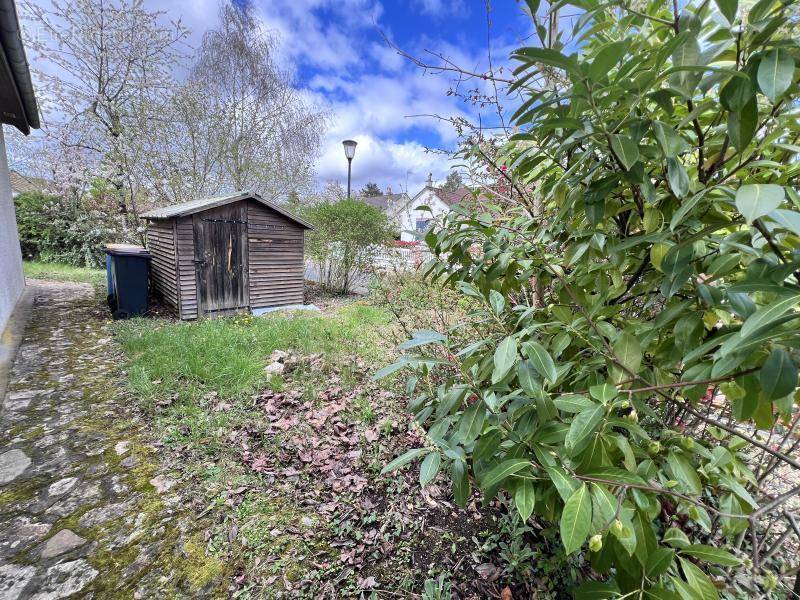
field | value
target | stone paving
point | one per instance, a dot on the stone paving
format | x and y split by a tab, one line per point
84	508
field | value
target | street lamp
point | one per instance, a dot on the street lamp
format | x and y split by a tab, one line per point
349	152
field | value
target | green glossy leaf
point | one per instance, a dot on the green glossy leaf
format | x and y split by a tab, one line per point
735	94
471	422
572	403
684	473
616	475
775	73
628	351
757	200
676	538
728	9
423	337
505	357
778	375
626	150
742	124
788	219
527	375
606	59
769	313
404	459
605	506
461	488
547	56
429	468
524	499
584	424
678	179
671	143
706	553
698	581
504	470
541	360
576	519
659	562
596	590
498	301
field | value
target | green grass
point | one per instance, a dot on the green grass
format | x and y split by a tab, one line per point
62	272
227	356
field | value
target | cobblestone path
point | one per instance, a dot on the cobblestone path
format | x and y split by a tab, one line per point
84	510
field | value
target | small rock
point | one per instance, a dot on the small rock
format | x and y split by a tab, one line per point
79	496
275	368
308	522
62	486
122	447
21	533
101	514
278	356
12	465
129	461
64	541
162	483
13	579
65	579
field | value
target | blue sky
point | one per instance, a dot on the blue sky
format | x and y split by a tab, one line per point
342	63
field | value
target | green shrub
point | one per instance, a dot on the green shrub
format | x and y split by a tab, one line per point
649	253
347	234
52	229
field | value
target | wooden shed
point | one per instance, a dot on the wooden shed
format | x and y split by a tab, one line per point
225	255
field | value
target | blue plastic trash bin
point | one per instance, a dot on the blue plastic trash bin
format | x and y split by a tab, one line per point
128	270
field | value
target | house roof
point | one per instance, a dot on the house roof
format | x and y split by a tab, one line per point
17	99
451	198
385	201
25	184
195	206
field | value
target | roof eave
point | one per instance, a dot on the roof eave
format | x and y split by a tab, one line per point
229	200
14	51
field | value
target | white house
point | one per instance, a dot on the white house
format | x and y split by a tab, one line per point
415	222
392	205
17	108
405	211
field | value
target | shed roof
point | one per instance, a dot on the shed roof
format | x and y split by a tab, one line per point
195	206
17	100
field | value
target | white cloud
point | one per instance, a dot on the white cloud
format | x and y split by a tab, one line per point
403	166
441	8
372	94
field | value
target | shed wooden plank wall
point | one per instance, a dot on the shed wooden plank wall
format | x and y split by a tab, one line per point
187	276
276	266
161	242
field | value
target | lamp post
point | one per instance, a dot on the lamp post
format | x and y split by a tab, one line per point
349	152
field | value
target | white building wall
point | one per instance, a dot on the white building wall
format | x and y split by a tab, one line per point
410	216
12	280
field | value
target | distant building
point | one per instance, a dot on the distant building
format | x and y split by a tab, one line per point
17	108
25	184
392	205
411	221
415	222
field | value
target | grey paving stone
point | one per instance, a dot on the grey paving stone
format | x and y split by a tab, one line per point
12	464
63	541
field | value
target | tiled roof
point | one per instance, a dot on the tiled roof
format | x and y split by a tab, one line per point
385	201
23	184
451	198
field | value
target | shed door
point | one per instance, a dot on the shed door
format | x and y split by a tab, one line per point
220	253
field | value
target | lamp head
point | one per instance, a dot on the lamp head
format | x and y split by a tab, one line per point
349	148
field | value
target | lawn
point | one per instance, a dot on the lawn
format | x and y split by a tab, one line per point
289	464
63	272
